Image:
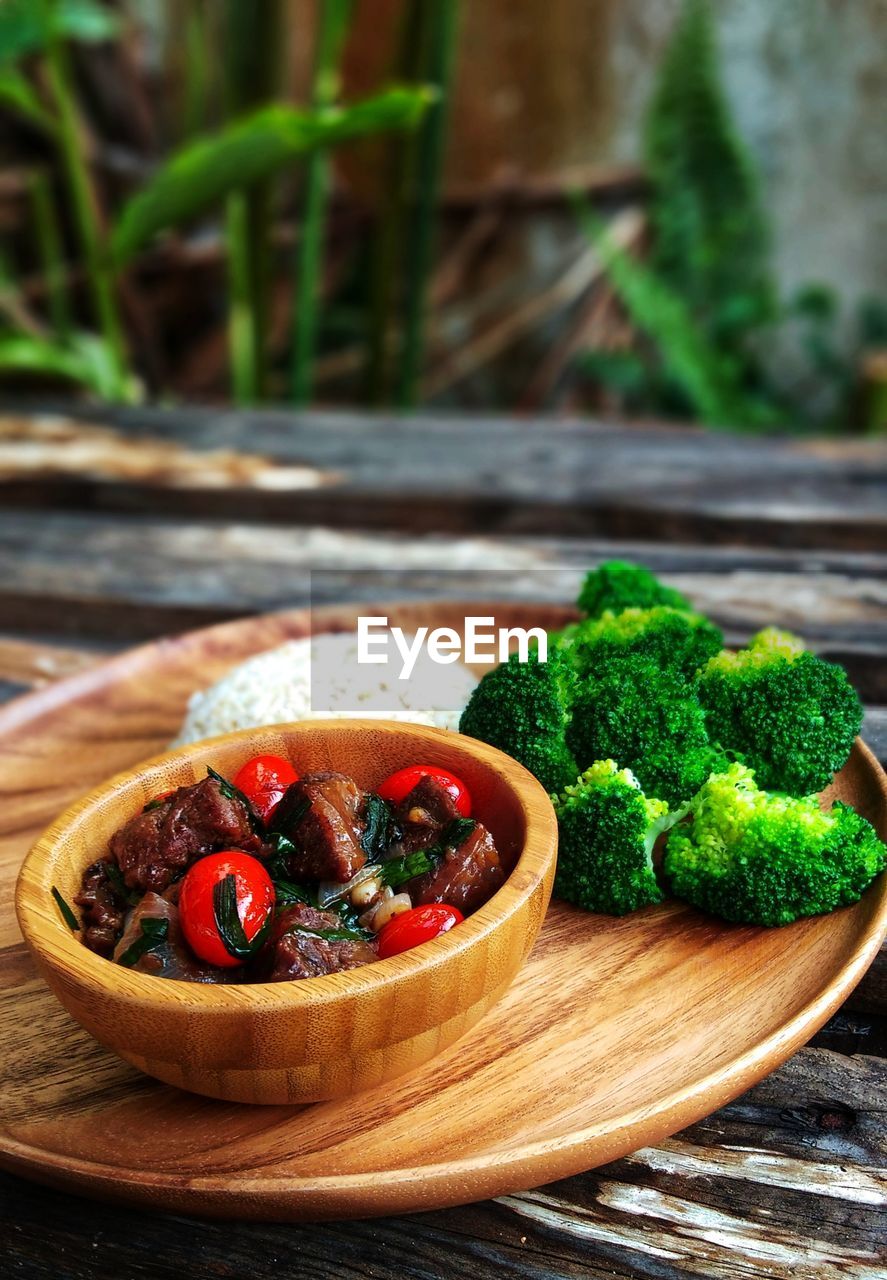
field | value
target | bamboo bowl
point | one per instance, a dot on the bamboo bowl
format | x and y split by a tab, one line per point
319	1038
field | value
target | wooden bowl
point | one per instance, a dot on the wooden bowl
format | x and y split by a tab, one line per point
289	1042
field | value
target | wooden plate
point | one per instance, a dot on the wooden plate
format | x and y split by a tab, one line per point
615	1034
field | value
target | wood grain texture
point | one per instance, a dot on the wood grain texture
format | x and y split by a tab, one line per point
97	577
797	1161
437	473
329	1037
615	1032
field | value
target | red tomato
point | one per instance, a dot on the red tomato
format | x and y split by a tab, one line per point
264	780
421	924
399	785
205	911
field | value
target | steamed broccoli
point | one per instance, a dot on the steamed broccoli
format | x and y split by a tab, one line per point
671	637
607	828
790	715
759	858
616	585
649	719
523	708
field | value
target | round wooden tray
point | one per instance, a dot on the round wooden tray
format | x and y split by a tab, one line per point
615	1034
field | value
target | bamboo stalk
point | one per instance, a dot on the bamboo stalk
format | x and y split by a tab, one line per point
332	20
196	70
241	316
84	202
428	148
390	227
49	245
253	45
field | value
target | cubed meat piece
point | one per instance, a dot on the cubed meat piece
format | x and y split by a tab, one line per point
155	847
423	814
322	815
171	958
298	949
102	908
466	877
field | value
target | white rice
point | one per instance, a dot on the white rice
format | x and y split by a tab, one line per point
275	687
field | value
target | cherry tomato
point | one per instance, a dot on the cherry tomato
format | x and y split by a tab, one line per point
220	926
421	924
264	780
399	785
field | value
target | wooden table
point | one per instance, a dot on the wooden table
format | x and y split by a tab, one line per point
134	524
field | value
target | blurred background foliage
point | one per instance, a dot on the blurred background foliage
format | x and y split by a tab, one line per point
320	201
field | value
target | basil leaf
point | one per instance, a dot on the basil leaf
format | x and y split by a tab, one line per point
456	833
287	893
229	924
397	871
154	931
67	914
349	915
230	792
278	863
154	804
115	875
377	836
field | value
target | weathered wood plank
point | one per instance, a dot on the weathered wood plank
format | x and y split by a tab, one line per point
786	1182
476	474
95	576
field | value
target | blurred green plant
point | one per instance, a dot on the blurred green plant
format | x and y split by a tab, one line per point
253	38
710	237
82	358
710	374
228	165
332	27
704	300
404	236
201	173
426	155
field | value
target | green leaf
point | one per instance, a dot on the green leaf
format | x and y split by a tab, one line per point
229	924
67	914
24	29
286	893
84	359
115	875
19	95
456	833
377	834
154	931
397	871
711	238
247	151
706	375
230	792
281	850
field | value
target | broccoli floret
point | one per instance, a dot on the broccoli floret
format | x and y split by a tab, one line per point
616	585
760	858
606	831
523	708
671	637
790	715
649	719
